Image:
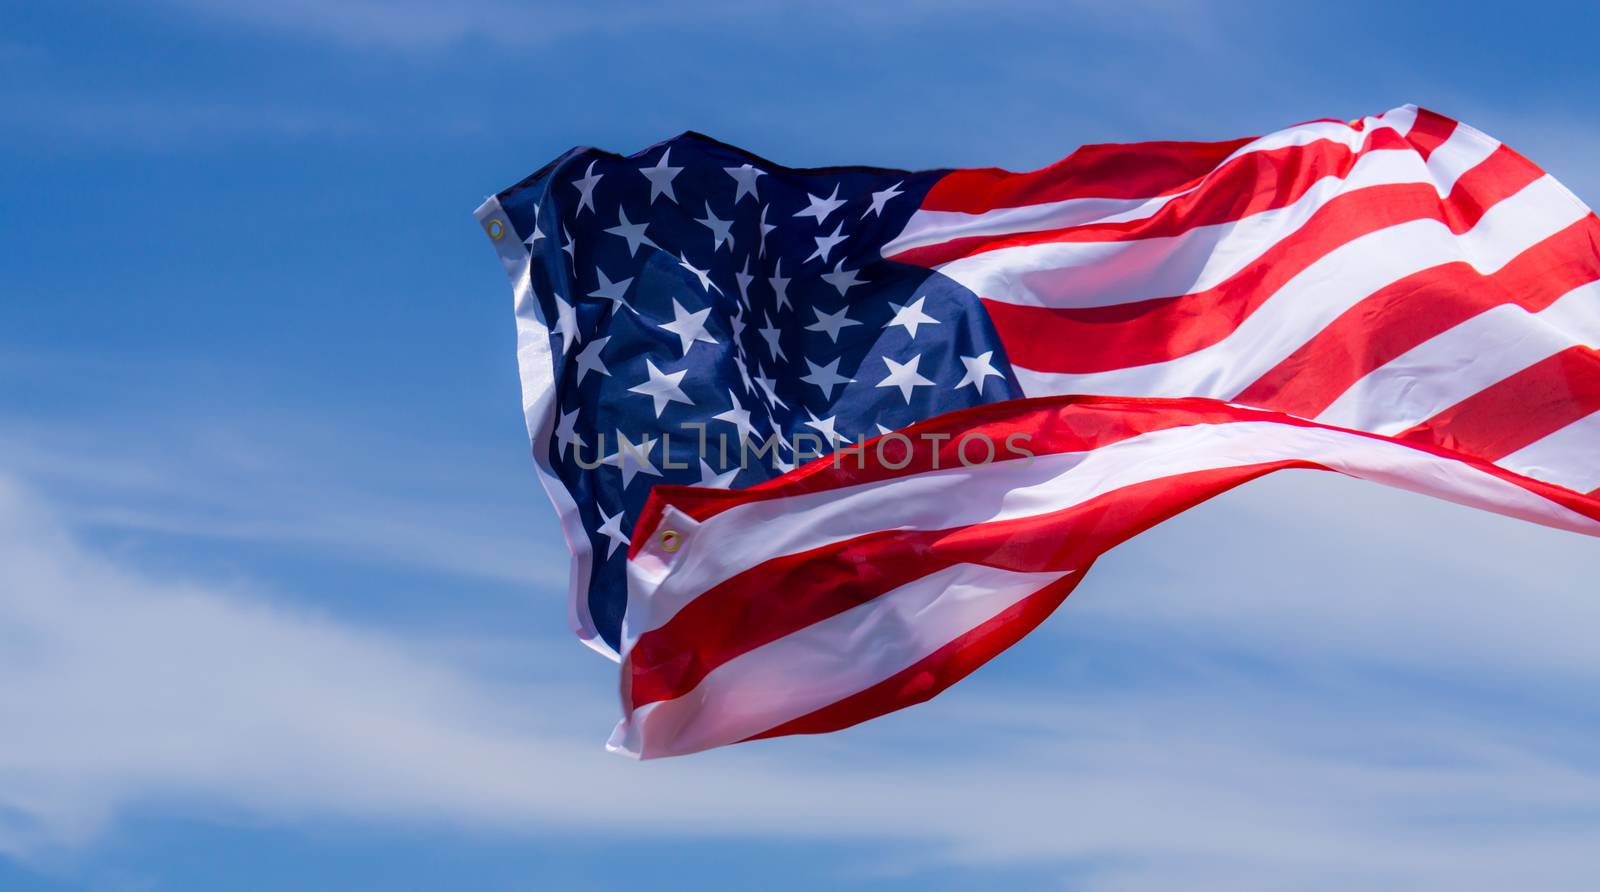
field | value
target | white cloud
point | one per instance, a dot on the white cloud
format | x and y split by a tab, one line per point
122	688
127	690
1315	566
292	480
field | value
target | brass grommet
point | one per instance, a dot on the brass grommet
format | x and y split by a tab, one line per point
496	229
671	540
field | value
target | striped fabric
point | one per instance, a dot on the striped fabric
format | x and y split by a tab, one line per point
1403	274
1399	298
853	587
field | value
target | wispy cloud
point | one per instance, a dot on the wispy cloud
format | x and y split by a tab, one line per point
130	689
1261	694
158	459
412	25
1291	571
227	479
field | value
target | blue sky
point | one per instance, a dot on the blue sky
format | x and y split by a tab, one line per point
281	601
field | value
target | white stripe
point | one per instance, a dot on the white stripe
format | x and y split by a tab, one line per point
826	662
743	537
851	651
659	585
1327	288
935	227
1092	274
1452	366
1400	120
1083	274
536	367
1569	457
1465	149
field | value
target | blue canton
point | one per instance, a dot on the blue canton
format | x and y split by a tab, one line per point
716	319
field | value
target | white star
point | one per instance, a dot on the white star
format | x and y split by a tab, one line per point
879	199
632	458
689	327
979	370
780	463
831	323
826	244
770	389
883	431
739	417
633	232
910	316
660	178
769	423
842	279
765	228
744	372
738	325
744	279
769	333
611	528
589	359
662	387
567	325
616	292
538	234
820	207
585	188
704	275
780	284
721	230
713	480
571	247
904	376
745	176
567	432
826	377
825	426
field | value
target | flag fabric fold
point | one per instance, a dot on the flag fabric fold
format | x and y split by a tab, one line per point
1399	298
873	579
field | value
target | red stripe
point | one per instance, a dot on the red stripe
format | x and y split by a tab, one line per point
1097	339
1430	131
939	670
1249	184
1064	423
1133	170
1408	312
1528	406
1075	426
740	614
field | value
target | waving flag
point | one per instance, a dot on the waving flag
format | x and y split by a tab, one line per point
1399	298
854	587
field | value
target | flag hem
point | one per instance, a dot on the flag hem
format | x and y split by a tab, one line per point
536	370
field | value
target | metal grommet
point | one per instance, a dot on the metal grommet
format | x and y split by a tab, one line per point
671	541
496	229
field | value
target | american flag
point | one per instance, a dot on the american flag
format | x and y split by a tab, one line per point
1399	298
